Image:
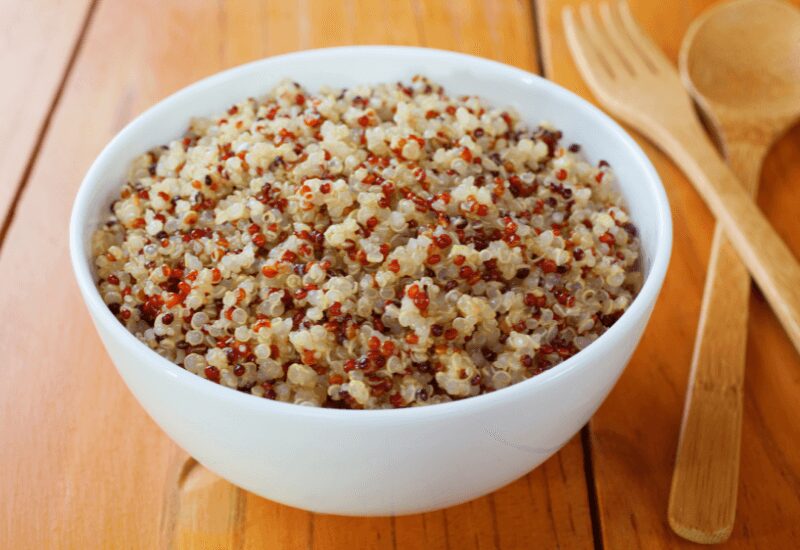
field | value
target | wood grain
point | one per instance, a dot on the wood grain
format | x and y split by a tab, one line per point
634	434
83	465
37	42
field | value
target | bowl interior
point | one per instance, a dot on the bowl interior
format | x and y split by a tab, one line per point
536	100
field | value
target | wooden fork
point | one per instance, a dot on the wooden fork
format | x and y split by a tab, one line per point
633	79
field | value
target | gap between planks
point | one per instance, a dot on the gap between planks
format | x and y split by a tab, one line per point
33	155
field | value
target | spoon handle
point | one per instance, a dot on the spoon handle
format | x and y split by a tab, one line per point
704	484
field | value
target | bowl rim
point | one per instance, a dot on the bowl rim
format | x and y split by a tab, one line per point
165	368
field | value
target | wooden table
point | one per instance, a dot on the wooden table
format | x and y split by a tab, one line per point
83	466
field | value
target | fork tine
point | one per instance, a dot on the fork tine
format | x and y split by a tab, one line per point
642	43
618	36
583	51
599	37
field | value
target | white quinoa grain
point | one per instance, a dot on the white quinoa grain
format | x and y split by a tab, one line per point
382	246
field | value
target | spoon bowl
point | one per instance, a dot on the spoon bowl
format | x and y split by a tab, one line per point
741	61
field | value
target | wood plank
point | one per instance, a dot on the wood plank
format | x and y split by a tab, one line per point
37	41
79	455
634	435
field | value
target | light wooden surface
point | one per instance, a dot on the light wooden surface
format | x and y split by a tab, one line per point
747	121
84	467
37	40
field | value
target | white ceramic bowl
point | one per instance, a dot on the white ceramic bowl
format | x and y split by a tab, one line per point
387	461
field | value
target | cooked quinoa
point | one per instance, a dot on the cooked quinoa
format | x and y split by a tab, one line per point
374	247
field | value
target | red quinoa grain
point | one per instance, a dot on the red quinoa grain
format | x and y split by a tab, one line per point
386	247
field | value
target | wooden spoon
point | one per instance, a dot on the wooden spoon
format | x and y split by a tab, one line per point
741	63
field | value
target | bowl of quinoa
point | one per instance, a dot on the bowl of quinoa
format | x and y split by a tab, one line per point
329	233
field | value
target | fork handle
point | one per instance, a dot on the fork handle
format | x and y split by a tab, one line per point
759	246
